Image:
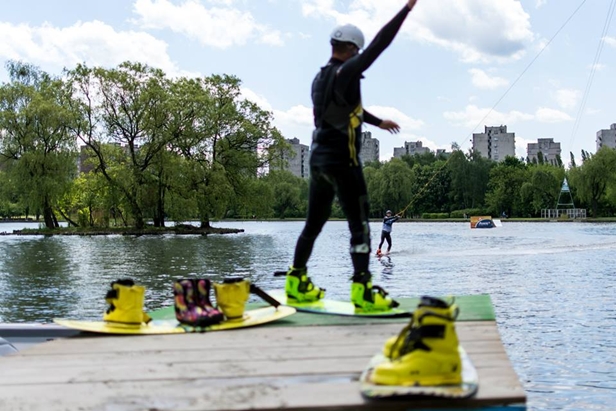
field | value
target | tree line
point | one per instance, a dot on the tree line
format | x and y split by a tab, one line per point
159	149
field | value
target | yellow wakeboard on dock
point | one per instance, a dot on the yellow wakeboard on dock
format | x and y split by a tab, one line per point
172	326
334	307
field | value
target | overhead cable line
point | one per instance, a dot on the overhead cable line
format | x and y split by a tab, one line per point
593	70
545	46
417	195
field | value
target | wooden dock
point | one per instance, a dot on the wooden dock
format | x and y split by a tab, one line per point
293	364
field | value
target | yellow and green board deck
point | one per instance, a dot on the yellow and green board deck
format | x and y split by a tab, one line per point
334	307
164	322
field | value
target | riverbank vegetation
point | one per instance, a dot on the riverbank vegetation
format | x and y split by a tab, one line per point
118	147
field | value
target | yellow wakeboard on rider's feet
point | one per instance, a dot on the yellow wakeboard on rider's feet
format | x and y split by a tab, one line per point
334	307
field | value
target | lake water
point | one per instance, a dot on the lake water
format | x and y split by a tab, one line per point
552	284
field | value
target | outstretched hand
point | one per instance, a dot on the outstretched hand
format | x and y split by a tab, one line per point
390	126
411	4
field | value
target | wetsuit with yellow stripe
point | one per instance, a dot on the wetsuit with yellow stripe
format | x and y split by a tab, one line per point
336	169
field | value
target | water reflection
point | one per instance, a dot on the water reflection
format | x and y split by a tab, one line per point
37	277
387	266
551	284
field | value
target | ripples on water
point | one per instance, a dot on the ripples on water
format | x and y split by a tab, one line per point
552	284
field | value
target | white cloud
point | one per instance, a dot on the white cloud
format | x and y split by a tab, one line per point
298	121
597	67
521	146
94	42
540	3
567	99
473	116
217	26
259	100
592	111
540	44
549	115
483	80
477	30
390	113
299	115
610	41
223	2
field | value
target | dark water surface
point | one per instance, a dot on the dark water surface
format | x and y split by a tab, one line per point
552	284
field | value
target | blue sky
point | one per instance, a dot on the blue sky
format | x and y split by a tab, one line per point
451	63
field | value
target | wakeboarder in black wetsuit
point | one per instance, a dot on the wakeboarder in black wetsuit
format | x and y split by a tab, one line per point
335	166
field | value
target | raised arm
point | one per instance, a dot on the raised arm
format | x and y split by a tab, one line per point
356	65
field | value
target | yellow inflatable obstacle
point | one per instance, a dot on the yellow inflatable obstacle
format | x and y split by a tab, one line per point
485	222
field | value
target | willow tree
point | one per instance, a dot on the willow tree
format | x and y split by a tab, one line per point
227	144
36	139
593	178
470	174
504	189
127	106
390	186
542	186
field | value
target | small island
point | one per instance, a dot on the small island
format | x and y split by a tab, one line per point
180	229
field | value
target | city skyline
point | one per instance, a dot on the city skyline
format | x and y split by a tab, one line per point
445	76
549	148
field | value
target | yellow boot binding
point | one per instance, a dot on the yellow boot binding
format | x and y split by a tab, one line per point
426	351
393	345
299	286
367	297
125	301
231	297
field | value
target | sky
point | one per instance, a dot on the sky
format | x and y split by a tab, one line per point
544	68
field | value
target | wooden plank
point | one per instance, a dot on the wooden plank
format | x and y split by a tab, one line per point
296	393
160	368
267	353
278	337
293	368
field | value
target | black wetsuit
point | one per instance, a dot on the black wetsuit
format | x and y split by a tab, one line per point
386	231
335	167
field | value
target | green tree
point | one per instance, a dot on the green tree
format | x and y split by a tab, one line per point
504	188
542	187
37	142
395	189
287	193
593	178
126	106
230	140
256	200
461	183
431	188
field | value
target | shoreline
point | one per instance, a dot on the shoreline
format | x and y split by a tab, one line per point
183	230
187	229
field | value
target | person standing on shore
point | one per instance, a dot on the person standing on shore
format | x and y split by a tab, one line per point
335	167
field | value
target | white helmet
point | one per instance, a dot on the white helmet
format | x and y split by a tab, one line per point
348	33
